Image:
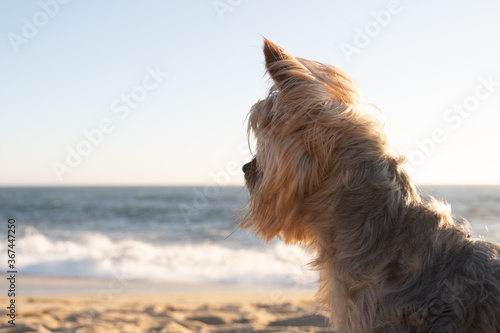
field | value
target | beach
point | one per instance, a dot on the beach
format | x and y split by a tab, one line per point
75	305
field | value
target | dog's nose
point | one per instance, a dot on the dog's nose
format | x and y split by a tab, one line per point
246	167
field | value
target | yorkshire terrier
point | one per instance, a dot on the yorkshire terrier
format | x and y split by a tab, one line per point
324	175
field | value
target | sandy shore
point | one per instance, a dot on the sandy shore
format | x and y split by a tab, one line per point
71	305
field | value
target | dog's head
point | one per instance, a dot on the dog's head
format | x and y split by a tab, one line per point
314	140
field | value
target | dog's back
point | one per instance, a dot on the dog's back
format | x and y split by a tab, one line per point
458	294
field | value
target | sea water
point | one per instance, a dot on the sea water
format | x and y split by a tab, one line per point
174	234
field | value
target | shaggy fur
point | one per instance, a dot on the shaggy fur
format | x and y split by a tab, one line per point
324	175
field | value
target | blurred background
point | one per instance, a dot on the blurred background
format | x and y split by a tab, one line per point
123	124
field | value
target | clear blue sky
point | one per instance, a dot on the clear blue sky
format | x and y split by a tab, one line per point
71	67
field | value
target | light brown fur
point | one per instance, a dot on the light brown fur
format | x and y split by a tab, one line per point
324	175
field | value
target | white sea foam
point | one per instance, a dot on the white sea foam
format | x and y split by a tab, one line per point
95	255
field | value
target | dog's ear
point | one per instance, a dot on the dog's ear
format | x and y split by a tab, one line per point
282	66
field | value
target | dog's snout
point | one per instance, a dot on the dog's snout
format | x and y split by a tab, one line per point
246	167
249	165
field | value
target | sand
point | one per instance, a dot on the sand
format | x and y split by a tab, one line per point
70	305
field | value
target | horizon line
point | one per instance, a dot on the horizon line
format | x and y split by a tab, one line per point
201	185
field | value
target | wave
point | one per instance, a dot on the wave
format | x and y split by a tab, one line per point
94	255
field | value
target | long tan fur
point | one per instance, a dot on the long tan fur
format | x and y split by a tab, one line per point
324	175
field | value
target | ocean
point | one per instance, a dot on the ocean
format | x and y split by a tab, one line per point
174	234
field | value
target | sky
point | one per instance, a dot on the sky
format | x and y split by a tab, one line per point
157	92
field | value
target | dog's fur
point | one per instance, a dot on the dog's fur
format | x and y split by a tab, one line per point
324	175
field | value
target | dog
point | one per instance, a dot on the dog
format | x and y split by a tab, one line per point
324	175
